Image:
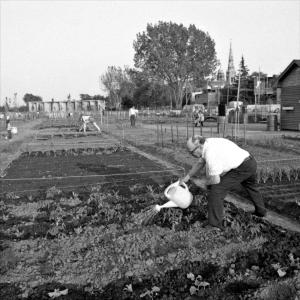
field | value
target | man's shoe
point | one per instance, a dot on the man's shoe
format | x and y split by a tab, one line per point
260	214
208	226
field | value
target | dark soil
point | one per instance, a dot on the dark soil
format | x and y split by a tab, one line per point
96	166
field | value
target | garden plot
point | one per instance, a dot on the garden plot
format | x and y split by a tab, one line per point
114	166
89	243
93	246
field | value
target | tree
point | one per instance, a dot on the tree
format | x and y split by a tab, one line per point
258	74
173	54
85	97
31	98
243	70
117	84
148	92
95	97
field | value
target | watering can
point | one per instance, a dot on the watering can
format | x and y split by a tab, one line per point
178	195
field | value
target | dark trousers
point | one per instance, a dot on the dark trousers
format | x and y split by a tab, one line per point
245	175
132	120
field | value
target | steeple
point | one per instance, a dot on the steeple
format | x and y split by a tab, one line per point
230	70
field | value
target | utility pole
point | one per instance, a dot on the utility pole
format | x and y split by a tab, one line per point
237	107
15	100
259	86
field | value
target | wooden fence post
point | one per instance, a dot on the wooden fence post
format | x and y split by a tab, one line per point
224	128
172	132
162	136
187	127
244	133
157	133
193	129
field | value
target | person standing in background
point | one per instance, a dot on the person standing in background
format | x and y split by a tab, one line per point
8	128
132	115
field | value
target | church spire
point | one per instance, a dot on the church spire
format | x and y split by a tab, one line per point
230	70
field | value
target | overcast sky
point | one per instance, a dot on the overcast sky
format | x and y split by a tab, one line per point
53	48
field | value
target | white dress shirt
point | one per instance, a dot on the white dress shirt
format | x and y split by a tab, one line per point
221	155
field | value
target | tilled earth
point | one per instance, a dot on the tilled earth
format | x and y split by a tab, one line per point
92	245
78	168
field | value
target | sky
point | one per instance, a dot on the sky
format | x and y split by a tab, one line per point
55	48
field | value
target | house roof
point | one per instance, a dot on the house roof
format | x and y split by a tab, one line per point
292	65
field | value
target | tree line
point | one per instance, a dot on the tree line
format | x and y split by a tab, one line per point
170	60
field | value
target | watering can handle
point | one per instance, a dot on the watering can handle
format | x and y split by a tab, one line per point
183	184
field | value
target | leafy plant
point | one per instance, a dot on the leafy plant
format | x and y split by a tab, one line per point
295	173
198	283
258	175
280	173
265	174
273	174
52	192
255	229
173	215
287	172
12	196
152	293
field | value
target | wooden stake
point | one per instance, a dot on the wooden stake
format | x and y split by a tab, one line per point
244	133
162	136
187	127
157	133
172	133
193	130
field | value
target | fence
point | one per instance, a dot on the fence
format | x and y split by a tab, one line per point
166	130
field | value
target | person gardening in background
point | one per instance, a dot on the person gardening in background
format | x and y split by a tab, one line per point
8	128
132	115
85	120
199	118
226	165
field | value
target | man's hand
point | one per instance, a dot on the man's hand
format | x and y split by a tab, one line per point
184	179
201	183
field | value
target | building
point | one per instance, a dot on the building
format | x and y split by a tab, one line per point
288	95
67	106
265	89
230	73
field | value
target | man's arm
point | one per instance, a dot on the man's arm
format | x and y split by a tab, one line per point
213	179
204	181
194	170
